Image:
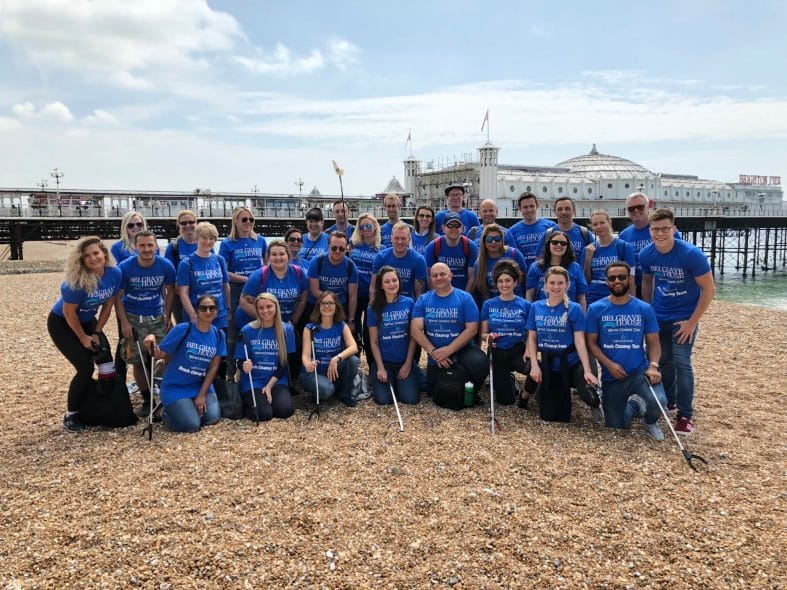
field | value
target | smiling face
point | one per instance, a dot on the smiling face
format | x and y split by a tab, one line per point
244	222
529	210
278	257
564	211
556	285
454	198
391	208
423	219
453	229
600	224
266	311
662	232
505	284
314	226
618	280
294	242
487	211
367	226
146	248
400	239
328	307
340	213
390	283
134	226
441	276
337	246
94	258
187	223
205	244
493	242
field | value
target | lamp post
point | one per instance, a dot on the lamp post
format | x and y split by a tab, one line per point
299	184
57	175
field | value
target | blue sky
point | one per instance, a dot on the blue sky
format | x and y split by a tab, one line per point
179	94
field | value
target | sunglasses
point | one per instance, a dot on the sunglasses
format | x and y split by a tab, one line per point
295	240
338	248
490	239
327	304
619	278
185	223
560	243
247	220
135	224
635	208
453	225
207	308
425	215
366	226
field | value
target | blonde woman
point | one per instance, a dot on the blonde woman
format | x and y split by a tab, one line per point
366	245
130	225
604	250
91	282
268	340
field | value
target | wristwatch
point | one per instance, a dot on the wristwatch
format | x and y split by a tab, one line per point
654	365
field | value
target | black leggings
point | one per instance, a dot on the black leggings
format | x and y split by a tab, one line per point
505	362
69	345
280	406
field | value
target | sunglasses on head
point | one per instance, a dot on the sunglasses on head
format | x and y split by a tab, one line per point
185	223
633	208
294	240
338	248
366	226
619	278
490	239
135	224
207	308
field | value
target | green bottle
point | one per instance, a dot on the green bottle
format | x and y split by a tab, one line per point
469	394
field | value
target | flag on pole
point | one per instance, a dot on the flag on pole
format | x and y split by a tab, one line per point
409	138
486	120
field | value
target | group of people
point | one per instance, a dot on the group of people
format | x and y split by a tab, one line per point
550	300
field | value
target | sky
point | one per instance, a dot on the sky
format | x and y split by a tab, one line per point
229	95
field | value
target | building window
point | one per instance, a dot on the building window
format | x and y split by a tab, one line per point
677	193
543	190
511	188
609	185
666	193
575	190
698	194
590	191
559	190
528	189
626	185
688	194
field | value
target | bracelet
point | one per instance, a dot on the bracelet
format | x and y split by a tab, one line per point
654	365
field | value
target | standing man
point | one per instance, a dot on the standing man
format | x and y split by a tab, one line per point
616	327
393	205
529	232
487	212
457	251
334	272
148	280
579	235
638	233
315	242
445	323
340	212
455	196
409	263
677	279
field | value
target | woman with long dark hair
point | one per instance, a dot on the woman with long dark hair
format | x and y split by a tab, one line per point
491	249
557	252
424	233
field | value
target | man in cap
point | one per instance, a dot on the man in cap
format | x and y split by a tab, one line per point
455	195
457	251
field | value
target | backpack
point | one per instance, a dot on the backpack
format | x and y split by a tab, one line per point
266	270
174	250
465	247
449	391
106	401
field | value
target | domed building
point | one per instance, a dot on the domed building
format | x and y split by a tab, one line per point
593	180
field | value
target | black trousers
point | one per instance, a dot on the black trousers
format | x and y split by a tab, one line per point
504	363
280	406
80	357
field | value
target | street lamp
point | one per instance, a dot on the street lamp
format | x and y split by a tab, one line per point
57	175
299	183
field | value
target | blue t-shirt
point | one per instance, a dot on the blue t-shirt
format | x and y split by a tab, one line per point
243	255
510	254
419	242
394	329
639	238
120	253
205	276
528	237
327	344
184	251
333	277
88	303
445	317
597	289
621	330
454	257
411	268
675	290
508	319
189	360
578	242
469	219
577	285
287	290
385	233
142	287
263	348
555	329
363	257
311	249
348	232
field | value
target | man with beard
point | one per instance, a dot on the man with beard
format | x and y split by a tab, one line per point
615	329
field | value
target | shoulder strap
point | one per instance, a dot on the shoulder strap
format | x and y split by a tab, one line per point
620	247
264	277
585	234
466	245
436	246
188	330
174	249
510	252
298	270
472	233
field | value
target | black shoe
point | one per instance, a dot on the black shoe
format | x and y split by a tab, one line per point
347	401
522	402
72	423
144	411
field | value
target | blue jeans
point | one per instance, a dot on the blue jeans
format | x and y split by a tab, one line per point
677	374
618	411
182	416
342	387
406	389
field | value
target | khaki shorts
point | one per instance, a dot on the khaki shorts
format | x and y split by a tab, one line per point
144	325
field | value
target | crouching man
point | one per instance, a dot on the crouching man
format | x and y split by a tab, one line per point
615	329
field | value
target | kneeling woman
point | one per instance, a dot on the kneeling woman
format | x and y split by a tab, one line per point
193	351
503	320
268	340
556	329
393	350
335	364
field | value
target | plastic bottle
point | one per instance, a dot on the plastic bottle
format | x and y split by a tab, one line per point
468	394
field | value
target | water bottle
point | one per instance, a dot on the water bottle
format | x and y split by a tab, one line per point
469	394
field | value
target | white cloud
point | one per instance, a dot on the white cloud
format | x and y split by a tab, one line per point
99	117
281	62
342	53
25	110
54	111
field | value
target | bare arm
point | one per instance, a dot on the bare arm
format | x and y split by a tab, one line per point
530	294
72	319
707	290
120	312
352	302
647	287
298	311
418	288
314	288
582	351
169	300
185	301
103	315
246	303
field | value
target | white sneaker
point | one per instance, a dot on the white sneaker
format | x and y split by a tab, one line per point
654	431
641	407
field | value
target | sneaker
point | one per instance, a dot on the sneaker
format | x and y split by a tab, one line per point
672	408
654	431
640	403
684	425
72	423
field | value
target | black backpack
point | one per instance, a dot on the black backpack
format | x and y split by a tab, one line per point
449	392
106	401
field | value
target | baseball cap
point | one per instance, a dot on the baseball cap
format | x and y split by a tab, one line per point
453	216
452	186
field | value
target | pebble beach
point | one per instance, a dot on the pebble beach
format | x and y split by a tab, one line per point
348	501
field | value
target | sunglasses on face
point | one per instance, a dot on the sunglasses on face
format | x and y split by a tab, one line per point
294	240
247	220
559	243
490	239
327	304
338	248
207	308
135	224
366	226
453	225
619	278
425	215
635	208
185	223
